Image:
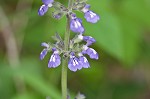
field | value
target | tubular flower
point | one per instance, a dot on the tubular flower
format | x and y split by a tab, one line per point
44	8
74	63
44	51
89	15
83	60
55	59
76	24
90	40
91	52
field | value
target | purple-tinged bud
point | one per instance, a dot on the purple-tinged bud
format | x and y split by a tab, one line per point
54	49
90	51
57	16
55	60
91	17
45	45
90	40
74	63
47	2
76	24
42	10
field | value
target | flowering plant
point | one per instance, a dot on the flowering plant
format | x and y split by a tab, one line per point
71	49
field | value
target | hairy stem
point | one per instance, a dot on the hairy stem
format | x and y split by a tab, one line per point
65	61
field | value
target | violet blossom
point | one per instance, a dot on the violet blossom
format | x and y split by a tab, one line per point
44	8
44	51
55	59
90	51
76	24
89	15
74	63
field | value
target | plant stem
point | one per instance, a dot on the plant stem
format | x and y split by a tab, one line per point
65	61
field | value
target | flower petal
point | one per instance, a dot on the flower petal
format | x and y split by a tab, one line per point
92	53
90	40
83	60
47	2
91	17
42	10
76	25
74	64
43	54
54	61
44	45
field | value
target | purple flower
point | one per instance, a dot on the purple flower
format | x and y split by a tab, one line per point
74	63
47	2
90	51
44	51
45	45
90	16
83	60
90	40
76	24
42	10
55	59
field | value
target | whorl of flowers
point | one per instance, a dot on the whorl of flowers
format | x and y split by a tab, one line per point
79	45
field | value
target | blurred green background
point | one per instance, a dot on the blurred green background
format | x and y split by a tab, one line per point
123	42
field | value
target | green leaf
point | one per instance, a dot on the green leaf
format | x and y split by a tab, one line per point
25	96
41	86
138	10
108	34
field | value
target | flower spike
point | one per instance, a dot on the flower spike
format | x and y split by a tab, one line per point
77	47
